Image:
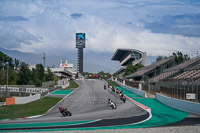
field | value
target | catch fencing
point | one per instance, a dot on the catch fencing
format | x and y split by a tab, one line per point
185	90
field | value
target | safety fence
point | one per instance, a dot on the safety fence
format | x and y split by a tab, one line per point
185	90
134	84
181	89
24	92
131	89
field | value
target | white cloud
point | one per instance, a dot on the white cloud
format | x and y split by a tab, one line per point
104	22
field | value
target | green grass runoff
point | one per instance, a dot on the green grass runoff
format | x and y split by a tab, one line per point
72	85
112	83
37	107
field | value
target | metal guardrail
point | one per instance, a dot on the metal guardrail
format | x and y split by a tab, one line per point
22	92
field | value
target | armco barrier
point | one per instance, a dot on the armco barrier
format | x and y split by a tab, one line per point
136	91
183	105
23	100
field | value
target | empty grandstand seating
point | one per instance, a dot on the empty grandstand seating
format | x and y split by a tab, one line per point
185	66
192	75
163	75
152	68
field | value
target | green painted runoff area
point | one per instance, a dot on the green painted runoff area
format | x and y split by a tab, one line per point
61	92
161	115
128	93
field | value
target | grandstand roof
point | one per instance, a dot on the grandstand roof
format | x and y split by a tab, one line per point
120	70
126	56
119	53
150	68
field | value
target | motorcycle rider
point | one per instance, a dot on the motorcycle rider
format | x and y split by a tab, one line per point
113	89
109	100
112	104
123	98
61	108
104	87
117	91
64	111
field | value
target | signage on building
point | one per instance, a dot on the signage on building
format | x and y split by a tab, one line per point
66	65
190	96
80	40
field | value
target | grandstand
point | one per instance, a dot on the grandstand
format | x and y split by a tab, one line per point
164	77
128	56
168	79
173	71
191	75
153	69
180	80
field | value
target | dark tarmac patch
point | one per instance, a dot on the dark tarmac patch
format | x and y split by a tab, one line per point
100	123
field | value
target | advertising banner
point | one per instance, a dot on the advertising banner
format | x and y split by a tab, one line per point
80	40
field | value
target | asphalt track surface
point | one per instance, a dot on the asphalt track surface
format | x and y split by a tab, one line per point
88	102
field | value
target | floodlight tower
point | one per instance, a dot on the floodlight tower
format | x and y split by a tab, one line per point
44	58
80	44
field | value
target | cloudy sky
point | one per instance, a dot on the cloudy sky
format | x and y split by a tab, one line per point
158	27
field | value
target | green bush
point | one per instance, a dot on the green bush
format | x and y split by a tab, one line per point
2	99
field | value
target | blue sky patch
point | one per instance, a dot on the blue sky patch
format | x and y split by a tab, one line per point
76	15
13	18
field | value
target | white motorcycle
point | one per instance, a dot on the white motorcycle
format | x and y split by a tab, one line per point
112	104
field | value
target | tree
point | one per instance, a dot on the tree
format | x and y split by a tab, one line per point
34	78
132	68
13	77
159	58
104	75
180	57
24	74
40	72
49	76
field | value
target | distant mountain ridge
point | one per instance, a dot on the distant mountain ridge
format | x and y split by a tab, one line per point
93	62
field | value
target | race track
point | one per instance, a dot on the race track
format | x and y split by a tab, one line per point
88	102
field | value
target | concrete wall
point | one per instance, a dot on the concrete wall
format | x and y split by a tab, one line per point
136	91
23	100
183	105
64	83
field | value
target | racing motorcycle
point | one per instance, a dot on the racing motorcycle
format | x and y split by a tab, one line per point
123	98
112	104
113	89
117	91
64	111
104	87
